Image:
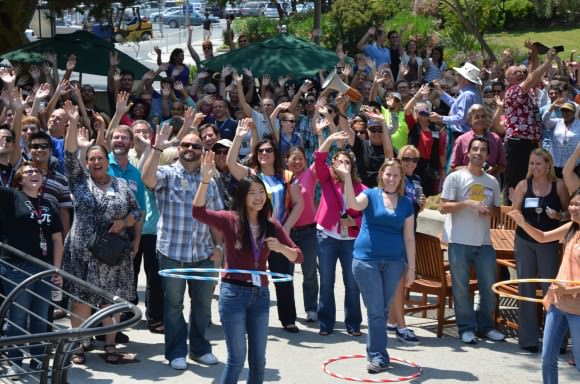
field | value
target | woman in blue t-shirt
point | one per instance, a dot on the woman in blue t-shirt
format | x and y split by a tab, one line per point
383	250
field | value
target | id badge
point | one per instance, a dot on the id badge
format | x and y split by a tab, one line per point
256	280
532	202
43	246
185	185
110	191
435	134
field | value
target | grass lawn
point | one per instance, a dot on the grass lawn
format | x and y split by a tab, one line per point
569	38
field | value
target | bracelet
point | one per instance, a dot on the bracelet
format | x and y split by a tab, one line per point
157	148
342	115
203	182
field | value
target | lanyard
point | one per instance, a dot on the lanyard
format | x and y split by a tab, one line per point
256	249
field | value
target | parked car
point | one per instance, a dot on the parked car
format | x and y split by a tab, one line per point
232	10
252	8
63	27
306	7
272	10
195	18
167	11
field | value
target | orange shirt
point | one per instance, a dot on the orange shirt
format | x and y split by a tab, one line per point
569	270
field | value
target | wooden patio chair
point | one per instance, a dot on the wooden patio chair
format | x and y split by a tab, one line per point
502	220
432	279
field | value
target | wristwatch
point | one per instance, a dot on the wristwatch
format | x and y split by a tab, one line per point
220	247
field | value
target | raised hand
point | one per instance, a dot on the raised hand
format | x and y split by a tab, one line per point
285	105
305	87
340	52
202	75
117	74
282	81
188	117
178	86
63	87
71	63
123	105
76	92
207	167
166	90
149	75
237	78
162	138
321	102
71	110
347	70
226	71
8	76
157	50
266	80
291	90
83	138
16	101
371	31
47	69
248	72
498	100
98	122
197	120
244	127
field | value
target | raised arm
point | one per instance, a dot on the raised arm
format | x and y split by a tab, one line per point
18	110
208	171
571	179
191	50
541	237
536	76
122	107
363	40
236	169
149	174
242	98
359	202
70	140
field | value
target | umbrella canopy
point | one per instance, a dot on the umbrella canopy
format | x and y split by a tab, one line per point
278	56
92	53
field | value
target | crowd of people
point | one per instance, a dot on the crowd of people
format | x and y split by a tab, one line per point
225	170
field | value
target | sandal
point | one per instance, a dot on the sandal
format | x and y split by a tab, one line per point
111	356
324	333
79	358
352	332
292	328
157	327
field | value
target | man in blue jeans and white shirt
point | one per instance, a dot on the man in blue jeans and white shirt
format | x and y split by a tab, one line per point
183	242
470	197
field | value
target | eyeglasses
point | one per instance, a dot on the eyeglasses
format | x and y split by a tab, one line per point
362	132
266	150
9	139
290	121
191	145
376	129
40	146
410	159
30	172
310	101
221	151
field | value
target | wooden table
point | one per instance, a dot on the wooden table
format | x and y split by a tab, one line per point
502	241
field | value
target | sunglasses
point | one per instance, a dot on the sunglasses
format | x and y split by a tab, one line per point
221	151
376	130
40	146
410	159
30	172
191	145
266	150
290	121
9	139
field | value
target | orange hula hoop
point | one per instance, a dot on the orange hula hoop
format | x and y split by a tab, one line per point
496	287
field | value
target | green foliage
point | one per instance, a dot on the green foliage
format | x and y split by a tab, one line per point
352	18
416	27
256	28
459	46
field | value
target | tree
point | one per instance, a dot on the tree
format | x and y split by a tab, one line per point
476	16
15	16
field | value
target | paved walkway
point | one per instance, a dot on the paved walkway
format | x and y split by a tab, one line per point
297	358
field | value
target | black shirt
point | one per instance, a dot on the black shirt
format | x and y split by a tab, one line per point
19	223
369	159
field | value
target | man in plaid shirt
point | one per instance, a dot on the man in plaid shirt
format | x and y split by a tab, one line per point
183	242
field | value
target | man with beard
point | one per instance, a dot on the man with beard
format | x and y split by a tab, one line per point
226	125
183	242
470	197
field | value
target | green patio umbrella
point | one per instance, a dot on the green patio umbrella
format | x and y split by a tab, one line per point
92	53
278	56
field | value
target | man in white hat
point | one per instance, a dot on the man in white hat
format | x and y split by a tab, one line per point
469	94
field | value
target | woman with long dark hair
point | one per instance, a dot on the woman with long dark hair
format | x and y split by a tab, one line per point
434	65
561	301
287	205
250	234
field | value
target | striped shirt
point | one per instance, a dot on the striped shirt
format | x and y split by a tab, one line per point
179	236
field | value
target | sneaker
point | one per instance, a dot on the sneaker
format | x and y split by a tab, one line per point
311	317
495	335
15	372
207	359
179	363
468	337
407	336
391	328
376	366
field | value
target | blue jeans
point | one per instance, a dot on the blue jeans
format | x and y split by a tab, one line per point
244	311
461	258
557	323
378	281
305	239
20	318
200	294
329	251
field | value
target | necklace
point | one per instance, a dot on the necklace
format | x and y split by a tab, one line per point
390	193
103	183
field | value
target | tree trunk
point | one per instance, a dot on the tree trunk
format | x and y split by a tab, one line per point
316	21
15	15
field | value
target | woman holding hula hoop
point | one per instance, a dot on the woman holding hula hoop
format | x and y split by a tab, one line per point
561	302
250	235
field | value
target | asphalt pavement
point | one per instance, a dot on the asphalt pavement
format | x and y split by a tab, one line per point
298	358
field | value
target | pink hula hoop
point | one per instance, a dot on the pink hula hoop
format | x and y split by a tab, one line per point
365	380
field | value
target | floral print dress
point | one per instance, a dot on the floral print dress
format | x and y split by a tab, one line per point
94	208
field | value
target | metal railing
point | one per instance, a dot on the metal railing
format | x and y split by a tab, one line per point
60	340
